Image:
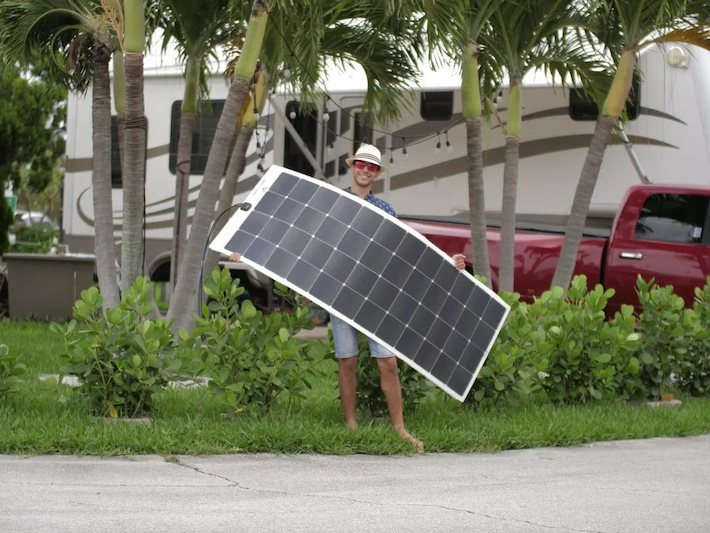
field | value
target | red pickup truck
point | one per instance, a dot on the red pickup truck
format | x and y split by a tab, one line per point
660	231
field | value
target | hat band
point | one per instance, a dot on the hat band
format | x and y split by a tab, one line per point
368	158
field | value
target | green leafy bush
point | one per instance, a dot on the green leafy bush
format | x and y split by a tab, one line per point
251	359
693	372
508	372
667	330
10	370
581	351
121	356
35	238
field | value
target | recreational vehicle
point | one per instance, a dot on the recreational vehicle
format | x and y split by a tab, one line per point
425	149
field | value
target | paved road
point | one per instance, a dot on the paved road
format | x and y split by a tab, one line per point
657	485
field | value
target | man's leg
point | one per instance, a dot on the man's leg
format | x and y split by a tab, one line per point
389	381
345	341
347	382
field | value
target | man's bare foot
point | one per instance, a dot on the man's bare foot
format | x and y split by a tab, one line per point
406	435
351	424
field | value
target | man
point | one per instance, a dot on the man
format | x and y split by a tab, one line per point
366	166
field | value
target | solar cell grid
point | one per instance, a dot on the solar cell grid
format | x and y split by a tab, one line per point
411	249
371	270
323	200
310	220
344	210
353	244
303	191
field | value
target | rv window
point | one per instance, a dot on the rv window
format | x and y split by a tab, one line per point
583	107
206	121
436	105
306	126
673	218
116	174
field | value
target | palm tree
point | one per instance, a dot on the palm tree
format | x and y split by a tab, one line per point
528	35
180	311
308	34
624	27
472	107
76	36
386	64
132	41
197	28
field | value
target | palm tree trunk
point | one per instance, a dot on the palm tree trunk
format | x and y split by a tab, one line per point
182	188
506	274
135	142
119	100
180	310
105	247
134	175
187	282
471	110
611	110
229	189
188	115
582	201
477	200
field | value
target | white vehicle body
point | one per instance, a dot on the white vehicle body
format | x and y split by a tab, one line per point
670	139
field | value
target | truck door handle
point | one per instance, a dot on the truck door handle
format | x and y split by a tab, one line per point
631	255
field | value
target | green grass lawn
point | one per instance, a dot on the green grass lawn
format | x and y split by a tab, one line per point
47	418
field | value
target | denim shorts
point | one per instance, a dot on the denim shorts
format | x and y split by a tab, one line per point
345	340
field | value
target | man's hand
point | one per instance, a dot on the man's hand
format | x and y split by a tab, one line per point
235	257
459	261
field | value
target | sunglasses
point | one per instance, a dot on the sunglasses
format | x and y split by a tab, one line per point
372	167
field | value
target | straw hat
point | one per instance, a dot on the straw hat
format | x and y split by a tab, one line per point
367	153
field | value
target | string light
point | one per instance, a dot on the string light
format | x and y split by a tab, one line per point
438	144
326	117
449	148
404	150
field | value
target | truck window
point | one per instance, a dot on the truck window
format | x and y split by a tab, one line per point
676	218
206	121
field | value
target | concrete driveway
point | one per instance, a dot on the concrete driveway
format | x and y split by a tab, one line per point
657	485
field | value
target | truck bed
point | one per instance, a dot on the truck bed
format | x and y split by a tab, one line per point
597	225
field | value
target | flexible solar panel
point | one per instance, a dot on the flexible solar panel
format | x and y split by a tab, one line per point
370	269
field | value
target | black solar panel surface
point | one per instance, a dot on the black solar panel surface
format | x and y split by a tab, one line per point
356	261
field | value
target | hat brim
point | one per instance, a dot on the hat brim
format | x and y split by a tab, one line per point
350	160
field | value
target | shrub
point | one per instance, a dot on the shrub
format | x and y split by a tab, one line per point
251	359
507	374
10	370
35	238
121	356
667	330
581	351
694	370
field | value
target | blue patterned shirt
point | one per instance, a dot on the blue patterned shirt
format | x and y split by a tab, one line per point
377	202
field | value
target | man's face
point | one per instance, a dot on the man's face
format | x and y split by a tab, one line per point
364	173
